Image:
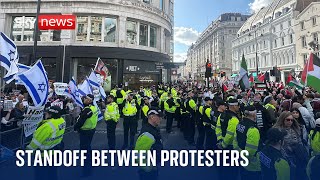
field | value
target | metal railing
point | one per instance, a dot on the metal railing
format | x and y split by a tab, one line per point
12	136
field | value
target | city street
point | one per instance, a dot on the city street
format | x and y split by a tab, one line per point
173	141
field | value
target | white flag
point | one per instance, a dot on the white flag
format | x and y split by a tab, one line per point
9	56
36	82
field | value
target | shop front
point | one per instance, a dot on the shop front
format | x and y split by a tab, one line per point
140	73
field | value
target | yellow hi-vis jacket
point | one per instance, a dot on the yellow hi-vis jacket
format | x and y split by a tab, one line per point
226	135
112	112
247	137
130	108
314	138
91	122
48	135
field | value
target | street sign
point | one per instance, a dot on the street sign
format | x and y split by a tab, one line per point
159	65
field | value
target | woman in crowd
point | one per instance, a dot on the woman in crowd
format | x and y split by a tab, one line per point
308	119
293	148
303	131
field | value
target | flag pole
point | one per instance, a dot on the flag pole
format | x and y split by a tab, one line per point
35	34
306	84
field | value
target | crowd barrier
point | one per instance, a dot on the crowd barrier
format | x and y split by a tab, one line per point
12	135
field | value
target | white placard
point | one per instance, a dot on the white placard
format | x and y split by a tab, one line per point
57	103
8	104
60	88
30	123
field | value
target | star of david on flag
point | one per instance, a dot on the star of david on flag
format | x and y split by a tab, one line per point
9	57
74	93
36	82
94	81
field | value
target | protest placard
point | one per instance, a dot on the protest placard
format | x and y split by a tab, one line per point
60	88
30	122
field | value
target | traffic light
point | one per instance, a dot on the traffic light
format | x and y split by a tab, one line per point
208	70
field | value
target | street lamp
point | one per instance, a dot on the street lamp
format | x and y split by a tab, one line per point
256	42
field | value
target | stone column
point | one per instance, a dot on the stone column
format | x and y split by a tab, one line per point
122	31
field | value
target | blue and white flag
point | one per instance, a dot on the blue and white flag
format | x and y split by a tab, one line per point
94	82
85	88
74	92
36	82
21	68
9	56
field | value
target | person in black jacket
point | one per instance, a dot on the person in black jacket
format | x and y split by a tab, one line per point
264	122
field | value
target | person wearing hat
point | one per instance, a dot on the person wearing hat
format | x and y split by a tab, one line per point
130	123
208	124
48	136
270	104
263	118
191	107
120	97
150	139
247	137
314	138
170	109
225	131
145	108
111	117
273	164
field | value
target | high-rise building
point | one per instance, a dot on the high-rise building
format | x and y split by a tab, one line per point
214	45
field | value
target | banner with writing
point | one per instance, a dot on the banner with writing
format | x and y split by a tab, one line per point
31	121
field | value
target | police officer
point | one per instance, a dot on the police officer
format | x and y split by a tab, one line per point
191	107
150	139
86	126
247	137
170	108
273	164
120	96
225	131
313	168
48	136
145	108
130	122
314	138
207	124
111	116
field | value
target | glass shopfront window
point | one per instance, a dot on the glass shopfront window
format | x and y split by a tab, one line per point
23	29
137	80
82	24
50	64
153	36
110	29
132	32
143	35
86	64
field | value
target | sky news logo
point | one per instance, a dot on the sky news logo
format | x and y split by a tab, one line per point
57	22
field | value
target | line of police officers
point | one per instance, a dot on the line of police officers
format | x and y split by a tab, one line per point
220	126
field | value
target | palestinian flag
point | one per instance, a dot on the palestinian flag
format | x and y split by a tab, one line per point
311	73
244	79
261	77
295	83
251	80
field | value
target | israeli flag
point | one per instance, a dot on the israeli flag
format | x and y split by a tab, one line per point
94	82
36	82
74	92
9	56
21	68
85	88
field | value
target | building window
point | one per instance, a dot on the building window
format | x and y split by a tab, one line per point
289	23
147	1
161	5
274	29
281	27
291	38
315	37
302	25
96	27
110	29
314	21
305	57
143	35
23	29
282	41
275	43
264	44
132	32
82	28
304	41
